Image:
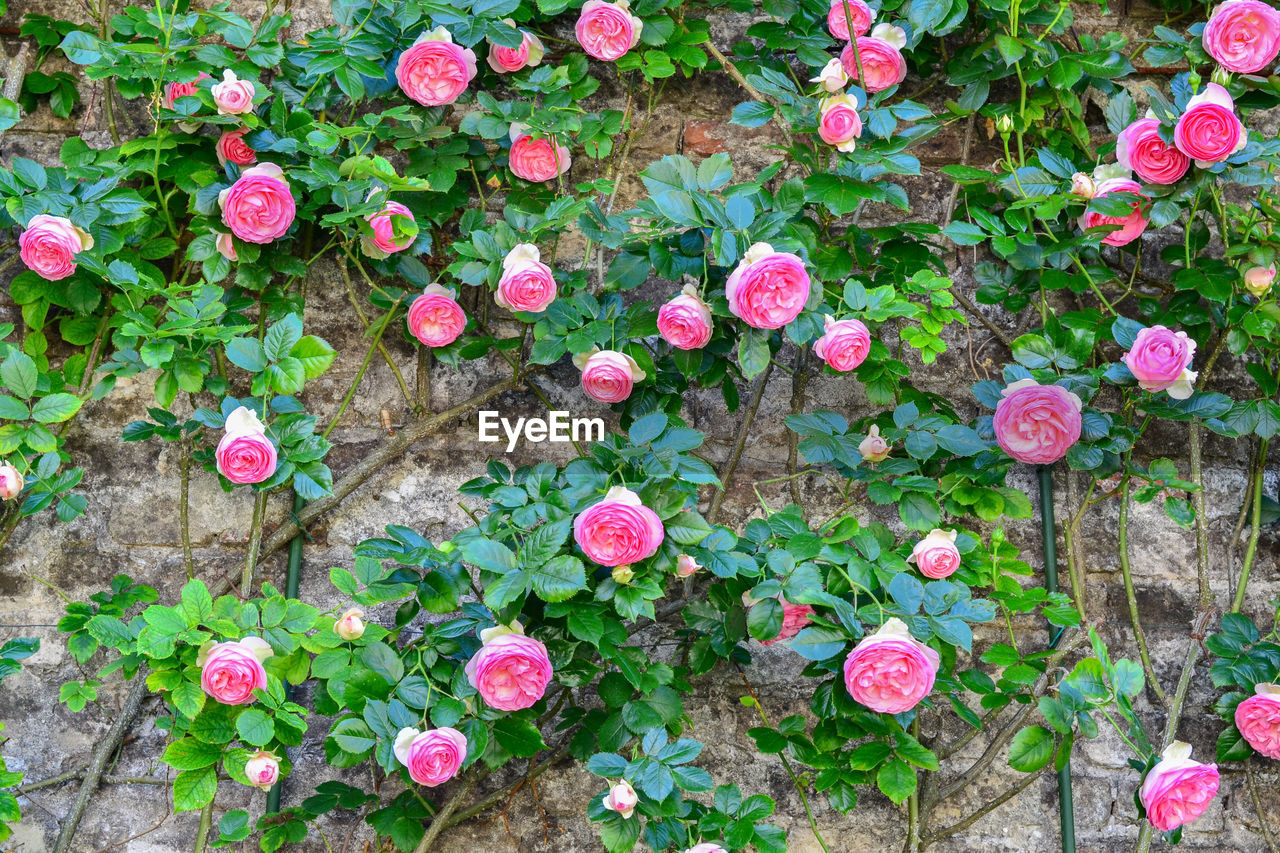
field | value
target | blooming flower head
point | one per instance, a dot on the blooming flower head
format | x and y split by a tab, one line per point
1178	790
844	344
1160	359
839	124
880	55
435	318
527	284
1209	131
1124	229
1243	35
510	671
608	375
619	530
1035	423
382	241
767	289
936	555
435	71
505	60
245	454
536	160
794	618
259	207
1140	148
890	671
607	30
49	245
230	671
685	320
432	757
1258	719
233	96
844	11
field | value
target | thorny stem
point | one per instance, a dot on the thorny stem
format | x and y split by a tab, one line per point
441	818
364	322
184	506
1257	807
799	379
1255	528
255	544
1131	596
961	825
753	405
202	831
376	334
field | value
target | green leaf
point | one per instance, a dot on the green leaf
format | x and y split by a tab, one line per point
191	754
255	727
282	337
247	354
519	736
194	789
383	660
1031	749
753	352
19	374
315	354
896	780
559	578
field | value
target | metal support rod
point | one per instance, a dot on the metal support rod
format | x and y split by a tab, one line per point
1066	808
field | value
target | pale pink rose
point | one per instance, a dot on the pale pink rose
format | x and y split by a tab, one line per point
511	672
873	448
536	160
839	16
1178	790
839	123
232	96
1082	185
706	847
505	60
432	757
527	284
1160	360
1257	280
435	317
245	454
263	769
1140	148
832	77
686	566
844	343
1036	423
49	246
383	242
435	71
618	530
259	206
1243	35
1209	131
1125	229
890	671
175	90
350	626
767	289
11	481
936	555
232	670
607	375
621	799
1258	719
794	618
226	247
607	30
231	148
881	57
685	321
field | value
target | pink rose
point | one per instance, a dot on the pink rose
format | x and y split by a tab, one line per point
839	123
232	96
1125	229
844	344
608	375
231	671
432	757
618	530
536	160
686	566
435	71
11	481
936	555
245	454
1178	790
832	77
435	318
1243	35
685	321
231	148
767	289
881	57
607	30
1258	719
350	626
843	11
1140	148
175	90
226	247
510	671
507	59
1036	423
1159	359
263	769
621	799
49	245
259	206
526	284
873	448
794	618
1209	131
383	242
706	847
1257	280
890	671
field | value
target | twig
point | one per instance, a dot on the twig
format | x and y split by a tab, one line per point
1255	528
726	474
184	507
202	831
732	71
1131	595
255	544
15	74
498	796
446	811
799	379
1257	807
961	825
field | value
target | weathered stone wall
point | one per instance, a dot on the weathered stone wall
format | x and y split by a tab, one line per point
132	528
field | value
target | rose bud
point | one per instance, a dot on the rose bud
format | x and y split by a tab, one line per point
1082	185
832	77
351	625
936	555
263	769
873	448
621	799
233	96
1257	280
11	481
623	575
794	618
686	566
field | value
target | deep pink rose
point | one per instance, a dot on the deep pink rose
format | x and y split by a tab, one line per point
383	242
263	769
685	321
505	60
175	90
844	343
11	481
839	123
607	375
838	21
706	847
435	71
1140	148
890	671
1125	229
433	757
245	454
511	672
226	247
607	30
1209	131
527	284
1178	790
435	318
881	56
767	289
794	618
1243	35
231	671
49	244
232	96
618	530
936	555
621	799
1159	359
1258	719
536	160
231	148
259	206
1036	423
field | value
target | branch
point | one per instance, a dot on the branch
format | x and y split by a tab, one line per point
753	405
961	825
